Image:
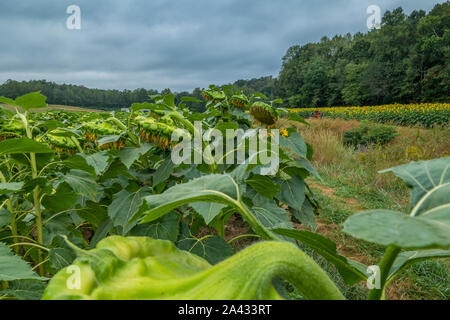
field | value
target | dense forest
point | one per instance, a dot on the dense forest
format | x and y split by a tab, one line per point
407	60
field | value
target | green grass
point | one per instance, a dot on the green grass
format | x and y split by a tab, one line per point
355	183
429	280
331	210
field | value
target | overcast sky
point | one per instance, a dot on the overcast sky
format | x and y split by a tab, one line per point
177	44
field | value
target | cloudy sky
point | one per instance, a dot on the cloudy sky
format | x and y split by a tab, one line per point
177	44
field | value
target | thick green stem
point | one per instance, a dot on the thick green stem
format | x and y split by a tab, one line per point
36	200
118	123
385	267
256	225
13	224
220	227
37	213
242	236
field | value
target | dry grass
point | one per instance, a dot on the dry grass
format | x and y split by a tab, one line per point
352	182
412	144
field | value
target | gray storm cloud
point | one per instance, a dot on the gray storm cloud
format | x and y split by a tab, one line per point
177	44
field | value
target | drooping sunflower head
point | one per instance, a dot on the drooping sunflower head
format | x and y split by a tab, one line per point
263	114
13	126
214	95
61	143
158	132
117	145
94	129
239	101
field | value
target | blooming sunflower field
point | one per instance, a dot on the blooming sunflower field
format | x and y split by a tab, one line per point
423	114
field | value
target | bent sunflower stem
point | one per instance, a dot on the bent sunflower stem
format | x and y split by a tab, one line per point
385	267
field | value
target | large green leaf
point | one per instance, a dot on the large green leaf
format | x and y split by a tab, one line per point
263	185
408	258
327	249
99	161
25	289
423	176
79	162
129	155
34	100
92	212
10	187
109	139
63	199
208	210
388	228
296	144
215	188
305	215
81	182
211	188
292	192
163	172
12	267
213	249
165	228
22	145
428	224
270	215
125	206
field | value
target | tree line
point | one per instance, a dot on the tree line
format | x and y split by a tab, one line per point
80	96
406	60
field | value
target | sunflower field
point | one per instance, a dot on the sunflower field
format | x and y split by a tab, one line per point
96	206
423	114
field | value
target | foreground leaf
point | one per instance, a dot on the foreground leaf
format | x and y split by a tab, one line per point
12	267
143	269
423	176
388	228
